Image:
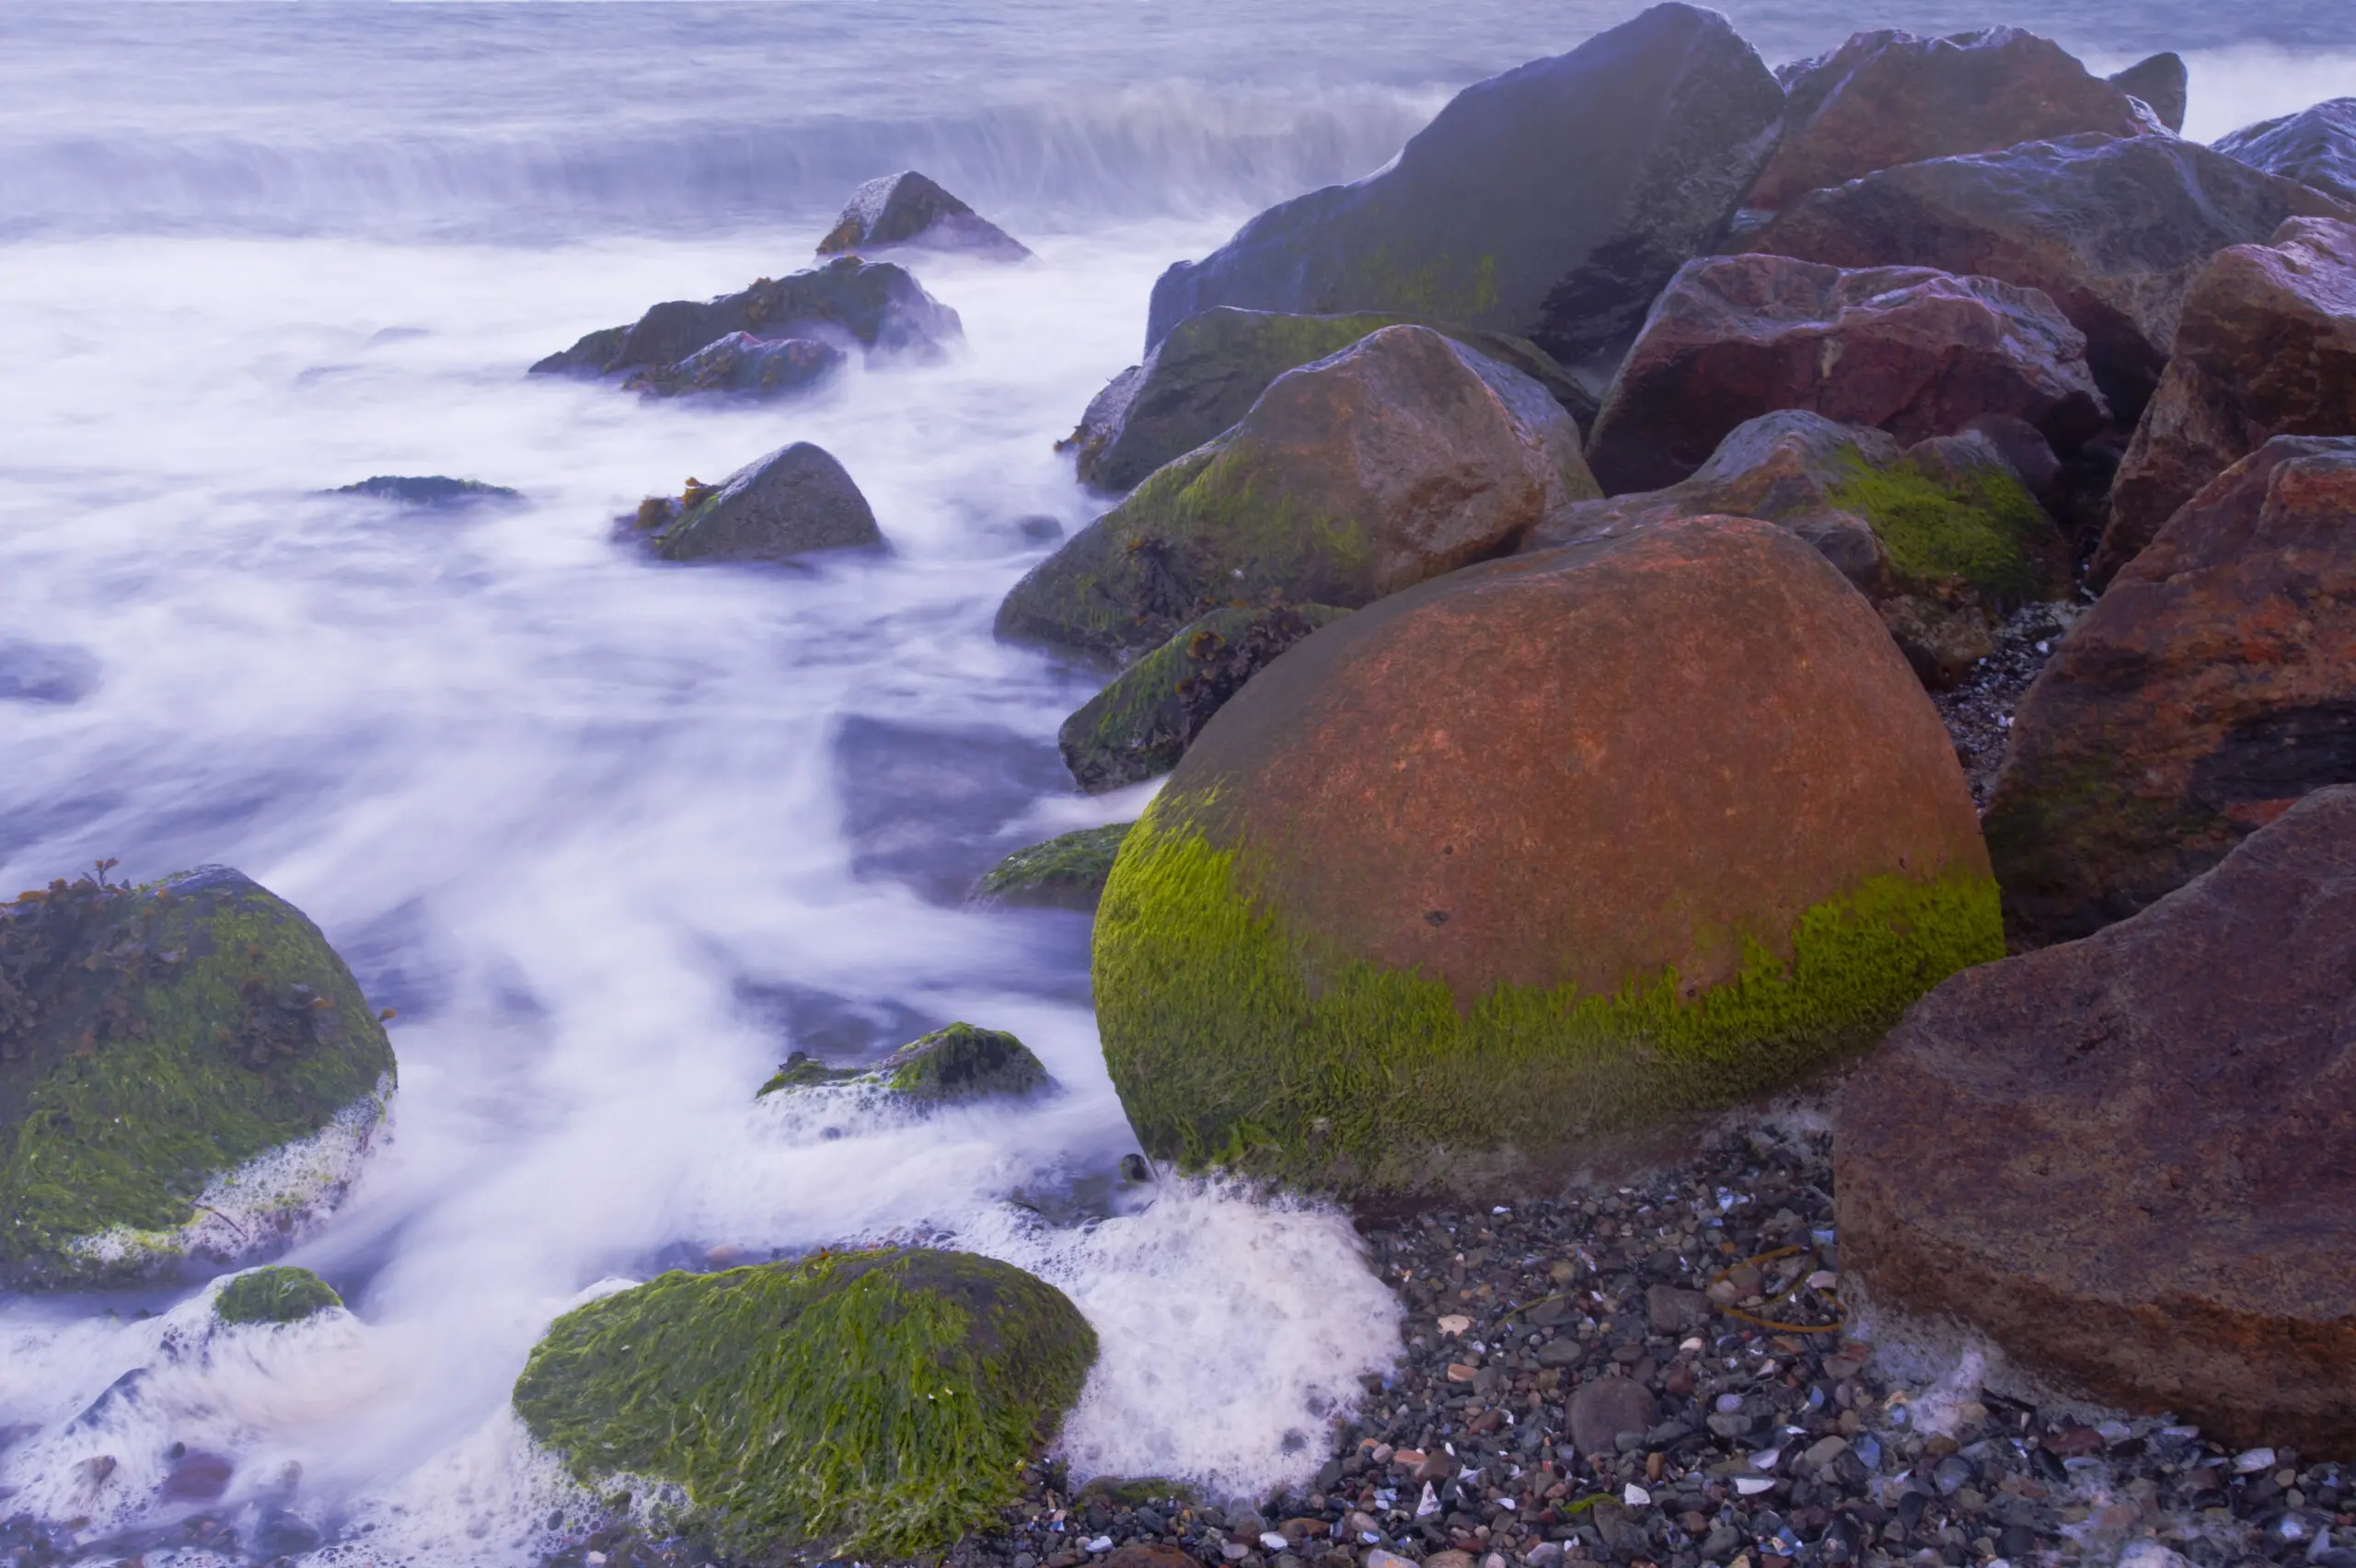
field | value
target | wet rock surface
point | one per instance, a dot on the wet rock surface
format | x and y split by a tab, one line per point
2315	146
1552	202
740	363
908	209
795	502
2114	230
1909	350
436	490
1067	871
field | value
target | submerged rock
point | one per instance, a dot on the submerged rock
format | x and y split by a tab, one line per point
1552	202
2315	146
906	209
875	304
153	1039
1943	536
2123	1160
870	1403
1905	350
274	1294
795	502
428	490
2267	347
761	367
1067	872
1547	849
2158	82
1889	98
2211	686
1141	724
1206	373
2113	231
960	1062
1403	456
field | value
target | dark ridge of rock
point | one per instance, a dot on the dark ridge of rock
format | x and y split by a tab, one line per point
2112	230
2315	146
1905	350
2159	83
2124	1158
1552	202
876	303
791	502
906	209
428	490
740	363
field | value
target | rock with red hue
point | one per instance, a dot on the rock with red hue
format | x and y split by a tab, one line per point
2125	1159
2212	686
2267	348
1904	350
2315	146
1889	98
2113	231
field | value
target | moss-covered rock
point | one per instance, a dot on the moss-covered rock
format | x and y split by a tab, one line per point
152	1040
1548	848
1067	872
960	1062
274	1294
876	1403
1403	456
792	502
1139	726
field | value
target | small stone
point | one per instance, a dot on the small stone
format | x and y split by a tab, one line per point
1825	1451
1455	1323
1752	1485
1273	1540
1636	1496
1459	1373
1379	1557
1099	1543
1449	1559
2253	1461
1605	1407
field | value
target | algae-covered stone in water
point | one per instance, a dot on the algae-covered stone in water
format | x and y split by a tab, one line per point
960	1062
875	1403
153	1039
1067	871
274	1294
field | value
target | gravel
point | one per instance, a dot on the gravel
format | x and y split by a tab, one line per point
1978	709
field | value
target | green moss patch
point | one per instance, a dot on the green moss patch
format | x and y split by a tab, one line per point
1067	872
1233	1040
1980	529
962	1060
152	1038
277	1293
878	1402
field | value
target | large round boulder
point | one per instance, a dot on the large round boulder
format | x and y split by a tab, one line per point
158	1043
1906	349
2125	1159
2211	686
1404	457
852	1404
1550	848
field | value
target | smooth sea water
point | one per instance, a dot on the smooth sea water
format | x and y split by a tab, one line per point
615	836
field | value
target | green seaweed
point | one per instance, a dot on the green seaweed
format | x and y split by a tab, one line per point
177	1032
867	1402
1982	528
1068	871
1234	1039
275	1293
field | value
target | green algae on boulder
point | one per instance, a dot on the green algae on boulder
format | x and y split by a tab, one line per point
1067	872
158	1042
274	1294
1550	848
876	1403
1140	725
960	1062
1403	456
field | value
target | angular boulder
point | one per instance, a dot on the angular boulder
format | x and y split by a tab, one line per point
155	1041
871	1402
2124	1159
1547	849
759	367
2113	231
875	304
1405	455
1889	98
796	501
2211	686
1552	202
2267	347
2158	82
1140	725
1944	537
1905	350
1213	366
906	209
2315	146
1067	872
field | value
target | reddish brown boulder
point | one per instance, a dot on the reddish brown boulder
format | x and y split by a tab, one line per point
2211	686
2112	230
2126	1160
1548	847
2267	347
1905	350
1890	98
